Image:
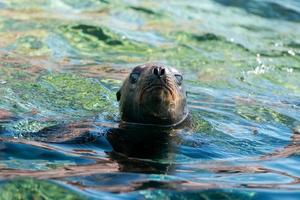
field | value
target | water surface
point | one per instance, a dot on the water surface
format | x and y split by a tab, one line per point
62	61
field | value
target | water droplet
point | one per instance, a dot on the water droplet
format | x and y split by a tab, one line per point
291	52
2	82
289	70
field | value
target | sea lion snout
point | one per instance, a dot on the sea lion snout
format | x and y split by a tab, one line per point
159	71
153	94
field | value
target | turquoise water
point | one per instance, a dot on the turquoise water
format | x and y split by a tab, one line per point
62	61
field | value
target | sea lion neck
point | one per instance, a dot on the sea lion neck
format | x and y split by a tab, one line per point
152	94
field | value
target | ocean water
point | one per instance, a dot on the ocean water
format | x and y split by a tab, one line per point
62	61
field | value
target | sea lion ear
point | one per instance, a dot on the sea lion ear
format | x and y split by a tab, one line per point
118	95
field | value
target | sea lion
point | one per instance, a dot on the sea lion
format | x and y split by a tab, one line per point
153	94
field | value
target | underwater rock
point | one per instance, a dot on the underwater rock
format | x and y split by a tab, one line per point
29	188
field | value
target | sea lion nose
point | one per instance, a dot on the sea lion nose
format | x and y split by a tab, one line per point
159	71
162	71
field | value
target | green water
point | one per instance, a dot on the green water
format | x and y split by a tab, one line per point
62	61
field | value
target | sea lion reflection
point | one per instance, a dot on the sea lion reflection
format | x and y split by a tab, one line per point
141	149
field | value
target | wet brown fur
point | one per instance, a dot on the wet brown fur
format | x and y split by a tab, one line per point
152	100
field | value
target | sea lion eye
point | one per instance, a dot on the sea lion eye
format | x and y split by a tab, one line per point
134	77
179	79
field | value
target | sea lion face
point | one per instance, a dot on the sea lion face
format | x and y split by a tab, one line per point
153	94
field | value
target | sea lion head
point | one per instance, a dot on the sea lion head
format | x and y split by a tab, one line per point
153	94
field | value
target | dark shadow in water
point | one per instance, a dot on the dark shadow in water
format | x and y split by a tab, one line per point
294	44
147	150
98	33
270	10
104	1
143	10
